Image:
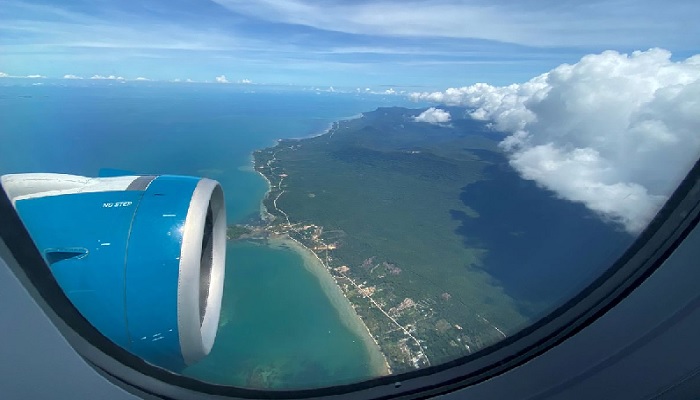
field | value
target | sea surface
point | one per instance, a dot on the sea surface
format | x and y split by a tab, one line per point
278	327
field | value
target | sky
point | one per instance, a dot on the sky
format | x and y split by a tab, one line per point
597	101
423	45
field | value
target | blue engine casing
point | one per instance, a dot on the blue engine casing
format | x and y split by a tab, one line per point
141	257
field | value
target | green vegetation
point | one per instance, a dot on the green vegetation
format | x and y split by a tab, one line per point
376	195
234	232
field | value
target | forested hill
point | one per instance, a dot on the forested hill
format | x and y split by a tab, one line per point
443	237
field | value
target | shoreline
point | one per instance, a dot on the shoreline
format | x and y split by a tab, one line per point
379	363
264	214
329	128
350	318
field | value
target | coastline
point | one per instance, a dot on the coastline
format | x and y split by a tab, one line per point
352	320
329	128
379	364
264	214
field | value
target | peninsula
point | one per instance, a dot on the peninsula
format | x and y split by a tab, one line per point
439	246
371	199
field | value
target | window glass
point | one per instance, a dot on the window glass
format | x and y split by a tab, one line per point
393	185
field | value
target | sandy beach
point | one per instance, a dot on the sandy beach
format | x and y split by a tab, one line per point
349	316
264	214
379	363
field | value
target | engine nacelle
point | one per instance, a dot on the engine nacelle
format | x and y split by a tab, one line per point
141	257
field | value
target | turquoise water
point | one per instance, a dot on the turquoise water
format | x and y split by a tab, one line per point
278	330
278	327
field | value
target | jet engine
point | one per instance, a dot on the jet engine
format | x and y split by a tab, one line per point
141	257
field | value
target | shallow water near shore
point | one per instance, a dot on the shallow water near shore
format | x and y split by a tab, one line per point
278	330
346	313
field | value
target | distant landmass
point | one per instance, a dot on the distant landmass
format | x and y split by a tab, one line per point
441	248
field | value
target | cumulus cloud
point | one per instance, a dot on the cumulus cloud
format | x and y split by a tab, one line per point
141	78
616	132
221	79
36	76
4	75
71	76
433	116
245	81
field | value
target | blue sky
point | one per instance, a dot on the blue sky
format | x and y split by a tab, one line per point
393	43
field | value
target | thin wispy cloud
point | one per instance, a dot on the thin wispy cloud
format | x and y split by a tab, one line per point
530	23
338	42
105	34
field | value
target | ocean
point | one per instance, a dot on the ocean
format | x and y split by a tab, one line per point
280	327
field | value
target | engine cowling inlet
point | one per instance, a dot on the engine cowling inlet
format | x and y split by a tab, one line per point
141	257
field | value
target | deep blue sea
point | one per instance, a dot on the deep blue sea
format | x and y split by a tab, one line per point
191	129
278	328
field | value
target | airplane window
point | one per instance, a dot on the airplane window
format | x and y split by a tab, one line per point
287	196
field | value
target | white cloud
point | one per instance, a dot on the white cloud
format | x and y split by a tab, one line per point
245	81
615	132
433	116
55	25
35	76
141	78
390	91
608	24
71	76
221	79
330	89
110	77
4	75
